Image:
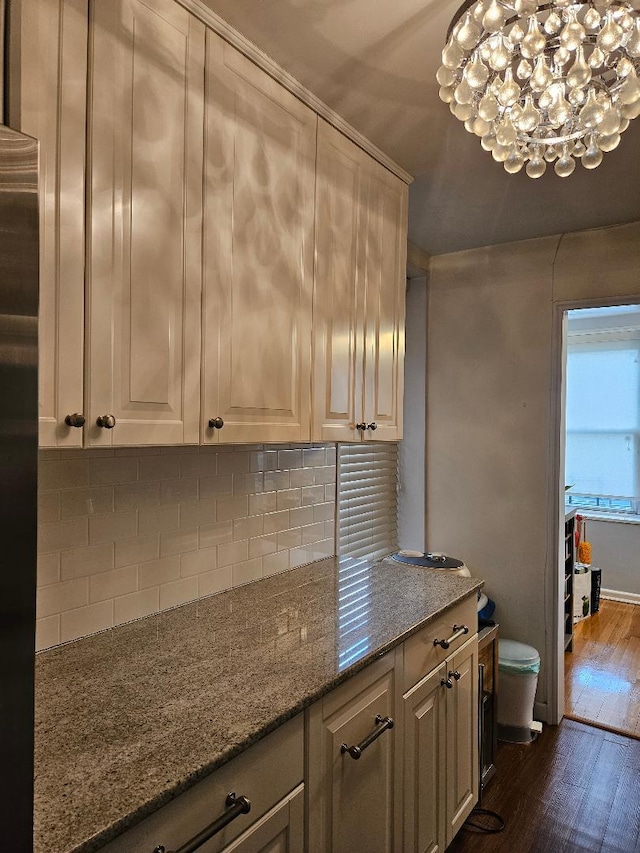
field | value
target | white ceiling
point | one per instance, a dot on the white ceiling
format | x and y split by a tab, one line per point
374	62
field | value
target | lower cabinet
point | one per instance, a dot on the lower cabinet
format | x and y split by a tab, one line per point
385	762
441	752
354	755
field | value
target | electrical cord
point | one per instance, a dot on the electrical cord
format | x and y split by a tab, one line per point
484	827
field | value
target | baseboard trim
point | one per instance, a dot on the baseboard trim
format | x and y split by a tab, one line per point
540	711
625	597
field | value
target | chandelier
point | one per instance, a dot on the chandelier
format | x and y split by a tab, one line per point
543	82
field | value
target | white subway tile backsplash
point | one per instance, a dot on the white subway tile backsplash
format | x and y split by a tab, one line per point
214	581
63	474
135	605
108	585
245	528
115	527
178	592
159	468
76	503
47	632
48	506
198	562
178	542
48	568
58	597
137	550
289	498
232	552
251	570
158	519
210	535
80	562
228	509
136	496
56	535
108	472
157	572
124	533
259	504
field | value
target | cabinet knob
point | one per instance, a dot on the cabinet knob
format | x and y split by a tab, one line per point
75	420
454	674
216	423
448	683
373	426
361	427
106	421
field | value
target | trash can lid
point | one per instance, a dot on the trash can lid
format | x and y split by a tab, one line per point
511	651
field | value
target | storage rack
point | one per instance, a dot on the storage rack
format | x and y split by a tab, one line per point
569	560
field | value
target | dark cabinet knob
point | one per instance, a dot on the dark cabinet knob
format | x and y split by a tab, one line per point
106	421
216	423
448	683
454	674
75	420
361	427
372	426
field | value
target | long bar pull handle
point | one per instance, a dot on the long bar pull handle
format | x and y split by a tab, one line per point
458	631
382	724
235	807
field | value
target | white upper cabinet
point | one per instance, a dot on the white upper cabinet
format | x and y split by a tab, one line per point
358	324
50	105
145	215
260	145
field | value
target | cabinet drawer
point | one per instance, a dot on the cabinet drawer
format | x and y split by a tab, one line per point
265	774
420	653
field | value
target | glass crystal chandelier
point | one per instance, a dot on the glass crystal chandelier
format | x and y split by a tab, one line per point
544	82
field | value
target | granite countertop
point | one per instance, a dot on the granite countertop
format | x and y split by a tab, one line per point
127	719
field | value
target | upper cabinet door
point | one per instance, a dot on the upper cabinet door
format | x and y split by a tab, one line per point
358	321
258	253
51	105
386	264
144	264
338	310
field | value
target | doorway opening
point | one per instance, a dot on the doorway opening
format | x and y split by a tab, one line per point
602	512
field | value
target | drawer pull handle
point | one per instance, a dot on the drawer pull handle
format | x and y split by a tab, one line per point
458	631
382	724
235	807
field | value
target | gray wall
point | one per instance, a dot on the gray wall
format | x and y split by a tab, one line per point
492	415
616	550
411	454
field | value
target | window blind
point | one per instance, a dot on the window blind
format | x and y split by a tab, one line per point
367	499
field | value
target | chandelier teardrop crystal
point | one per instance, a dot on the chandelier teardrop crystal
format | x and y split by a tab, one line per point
544	82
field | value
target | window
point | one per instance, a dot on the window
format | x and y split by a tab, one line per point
367	499
603	420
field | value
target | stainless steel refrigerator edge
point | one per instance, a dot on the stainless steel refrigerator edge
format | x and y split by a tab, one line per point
18	481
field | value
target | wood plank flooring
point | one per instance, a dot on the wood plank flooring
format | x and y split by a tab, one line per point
576	789
602	674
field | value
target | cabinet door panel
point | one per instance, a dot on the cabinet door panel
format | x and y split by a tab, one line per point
280	831
425	763
144	274
51	105
352	802
462	738
386	255
338	311
258	261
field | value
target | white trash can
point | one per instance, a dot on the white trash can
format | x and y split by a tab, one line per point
518	666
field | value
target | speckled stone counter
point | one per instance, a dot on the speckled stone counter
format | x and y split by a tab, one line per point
127	719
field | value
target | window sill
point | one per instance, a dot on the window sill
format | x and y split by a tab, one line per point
605	516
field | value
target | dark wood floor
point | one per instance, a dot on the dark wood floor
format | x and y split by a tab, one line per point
577	788
602	674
